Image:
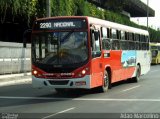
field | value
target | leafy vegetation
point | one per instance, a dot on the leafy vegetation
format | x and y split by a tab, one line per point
28	10
11	9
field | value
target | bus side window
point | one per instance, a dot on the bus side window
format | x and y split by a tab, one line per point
137	41
115	45
126	41
115	39
106	44
92	41
147	38
141	42
145	43
131	41
95	39
122	35
108	33
105	38
114	34
104	32
126	36
95	42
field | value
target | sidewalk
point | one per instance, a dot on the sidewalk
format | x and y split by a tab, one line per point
12	79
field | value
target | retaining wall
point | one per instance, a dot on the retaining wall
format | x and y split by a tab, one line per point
14	58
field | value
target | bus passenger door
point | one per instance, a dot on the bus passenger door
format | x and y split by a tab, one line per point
96	65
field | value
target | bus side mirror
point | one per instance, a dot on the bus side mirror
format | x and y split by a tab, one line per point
26	37
96	35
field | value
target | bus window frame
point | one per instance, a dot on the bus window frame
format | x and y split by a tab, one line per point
106	41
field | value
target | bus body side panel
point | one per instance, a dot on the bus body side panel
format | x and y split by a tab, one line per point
128	60
123	64
96	72
143	58
116	67
98	66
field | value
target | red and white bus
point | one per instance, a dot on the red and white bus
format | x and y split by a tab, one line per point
86	52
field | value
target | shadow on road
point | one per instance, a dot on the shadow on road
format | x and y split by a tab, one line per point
38	96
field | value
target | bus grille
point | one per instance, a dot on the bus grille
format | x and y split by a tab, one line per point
58	82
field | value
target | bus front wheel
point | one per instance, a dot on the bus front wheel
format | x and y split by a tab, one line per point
105	85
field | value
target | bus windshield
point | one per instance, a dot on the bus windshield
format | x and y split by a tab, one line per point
59	48
153	47
154	53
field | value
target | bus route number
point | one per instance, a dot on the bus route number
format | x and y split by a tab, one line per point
45	25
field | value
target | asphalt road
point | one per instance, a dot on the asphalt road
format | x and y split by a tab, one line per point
124	100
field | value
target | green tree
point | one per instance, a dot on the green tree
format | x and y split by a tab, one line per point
14	8
28	10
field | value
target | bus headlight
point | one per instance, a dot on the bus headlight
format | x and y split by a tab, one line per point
83	71
35	72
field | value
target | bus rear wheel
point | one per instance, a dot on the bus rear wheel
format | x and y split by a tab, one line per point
105	85
138	74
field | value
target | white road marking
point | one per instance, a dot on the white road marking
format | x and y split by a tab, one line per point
84	99
49	116
119	100
131	88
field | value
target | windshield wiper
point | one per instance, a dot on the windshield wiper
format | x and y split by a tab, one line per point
66	36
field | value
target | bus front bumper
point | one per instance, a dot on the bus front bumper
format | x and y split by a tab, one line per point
83	83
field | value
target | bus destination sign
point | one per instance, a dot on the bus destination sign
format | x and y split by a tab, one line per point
60	24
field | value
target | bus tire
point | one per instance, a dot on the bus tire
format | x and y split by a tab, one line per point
138	74
105	85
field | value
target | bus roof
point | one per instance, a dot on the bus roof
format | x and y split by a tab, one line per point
117	26
105	23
